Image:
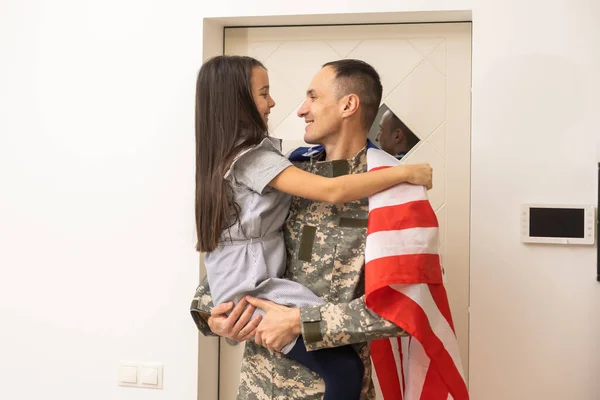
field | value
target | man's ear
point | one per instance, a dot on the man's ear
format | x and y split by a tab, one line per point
399	136
351	102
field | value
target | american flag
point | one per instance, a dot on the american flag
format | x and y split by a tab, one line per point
404	285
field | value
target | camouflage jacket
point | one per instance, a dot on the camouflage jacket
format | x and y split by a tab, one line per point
325	246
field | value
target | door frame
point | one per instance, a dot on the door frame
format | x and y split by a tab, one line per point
213	33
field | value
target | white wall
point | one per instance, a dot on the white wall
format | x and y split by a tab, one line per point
96	184
96	211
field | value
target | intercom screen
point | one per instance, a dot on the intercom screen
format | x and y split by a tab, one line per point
556	222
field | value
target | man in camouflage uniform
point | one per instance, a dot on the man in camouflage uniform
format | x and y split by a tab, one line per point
325	246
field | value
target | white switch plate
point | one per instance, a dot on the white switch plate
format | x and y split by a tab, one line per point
142	375
151	375
128	374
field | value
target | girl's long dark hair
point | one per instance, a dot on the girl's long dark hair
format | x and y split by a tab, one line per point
227	121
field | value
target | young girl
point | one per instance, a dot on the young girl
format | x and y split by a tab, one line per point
243	191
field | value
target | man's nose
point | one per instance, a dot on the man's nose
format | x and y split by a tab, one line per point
303	110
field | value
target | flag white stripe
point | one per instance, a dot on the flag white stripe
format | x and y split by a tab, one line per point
378	158
405	344
421	295
417	370
397	195
397	359
403	242
375	380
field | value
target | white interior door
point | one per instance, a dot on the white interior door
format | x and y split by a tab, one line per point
426	74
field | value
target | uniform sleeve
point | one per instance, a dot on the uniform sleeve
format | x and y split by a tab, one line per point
256	167
333	325
201	307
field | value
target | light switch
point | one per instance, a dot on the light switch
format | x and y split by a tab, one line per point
127	375
149	376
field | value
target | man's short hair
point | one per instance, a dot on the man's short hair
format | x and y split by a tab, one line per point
396	123
359	78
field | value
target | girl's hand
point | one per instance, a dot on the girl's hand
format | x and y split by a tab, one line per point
420	174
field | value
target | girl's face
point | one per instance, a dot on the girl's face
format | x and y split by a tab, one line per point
260	92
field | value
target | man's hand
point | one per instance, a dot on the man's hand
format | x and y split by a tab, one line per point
235	326
280	324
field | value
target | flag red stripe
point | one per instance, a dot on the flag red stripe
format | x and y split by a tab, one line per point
438	292
378	168
410	316
404	269
434	388
386	369
414	214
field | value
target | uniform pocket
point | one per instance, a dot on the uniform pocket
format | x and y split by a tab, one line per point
313	262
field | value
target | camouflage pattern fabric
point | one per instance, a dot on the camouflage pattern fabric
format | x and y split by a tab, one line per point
325	246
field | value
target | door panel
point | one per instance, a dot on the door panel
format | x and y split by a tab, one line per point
426	75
